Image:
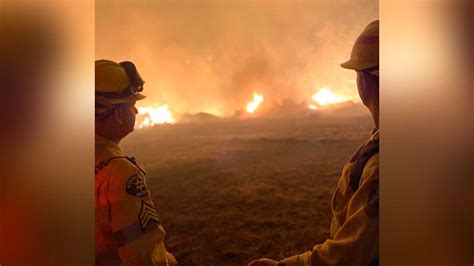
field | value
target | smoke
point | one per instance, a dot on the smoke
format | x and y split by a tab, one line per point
209	56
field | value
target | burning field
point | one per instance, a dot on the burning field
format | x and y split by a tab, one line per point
232	190
248	117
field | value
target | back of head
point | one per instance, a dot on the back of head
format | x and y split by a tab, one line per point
117	88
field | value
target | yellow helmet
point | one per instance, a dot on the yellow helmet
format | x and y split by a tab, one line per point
365	53
117	82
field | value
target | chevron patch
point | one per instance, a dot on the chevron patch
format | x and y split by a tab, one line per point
147	215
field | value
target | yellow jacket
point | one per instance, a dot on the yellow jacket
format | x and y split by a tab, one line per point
127	228
354	233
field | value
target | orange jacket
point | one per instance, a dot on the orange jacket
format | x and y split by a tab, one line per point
354	234
127	227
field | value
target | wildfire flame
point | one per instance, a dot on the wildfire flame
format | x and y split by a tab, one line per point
325	97
253	105
152	115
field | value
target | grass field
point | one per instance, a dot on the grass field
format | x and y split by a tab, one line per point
232	191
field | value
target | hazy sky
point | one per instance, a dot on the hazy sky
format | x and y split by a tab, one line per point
211	55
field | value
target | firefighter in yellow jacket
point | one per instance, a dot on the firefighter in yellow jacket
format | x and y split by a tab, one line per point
354	232
127	227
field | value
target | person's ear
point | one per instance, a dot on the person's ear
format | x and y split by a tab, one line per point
361	81
372	83
118	116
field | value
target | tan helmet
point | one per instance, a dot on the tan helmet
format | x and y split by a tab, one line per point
365	53
117	82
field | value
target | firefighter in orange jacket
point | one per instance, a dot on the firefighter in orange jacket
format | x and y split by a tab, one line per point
354	232
127	227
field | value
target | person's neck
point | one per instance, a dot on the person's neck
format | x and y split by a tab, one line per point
110	137
374	110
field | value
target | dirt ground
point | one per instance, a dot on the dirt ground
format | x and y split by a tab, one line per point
232	191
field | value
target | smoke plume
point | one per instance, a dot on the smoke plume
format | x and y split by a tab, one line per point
210	56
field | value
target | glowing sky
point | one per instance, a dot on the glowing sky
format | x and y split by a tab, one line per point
212	55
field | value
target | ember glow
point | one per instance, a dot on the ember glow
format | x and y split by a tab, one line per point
312	107
152	115
253	105
326	97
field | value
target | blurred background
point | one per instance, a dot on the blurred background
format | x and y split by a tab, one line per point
47	81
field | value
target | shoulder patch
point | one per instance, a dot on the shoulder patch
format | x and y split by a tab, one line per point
147	215
136	187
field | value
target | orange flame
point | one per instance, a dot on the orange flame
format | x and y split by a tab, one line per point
153	115
253	105
325	97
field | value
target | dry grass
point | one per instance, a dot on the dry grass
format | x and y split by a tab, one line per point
230	192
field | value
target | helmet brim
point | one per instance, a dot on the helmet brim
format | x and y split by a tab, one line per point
131	98
358	66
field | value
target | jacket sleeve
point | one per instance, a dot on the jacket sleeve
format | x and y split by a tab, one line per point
356	241
134	219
